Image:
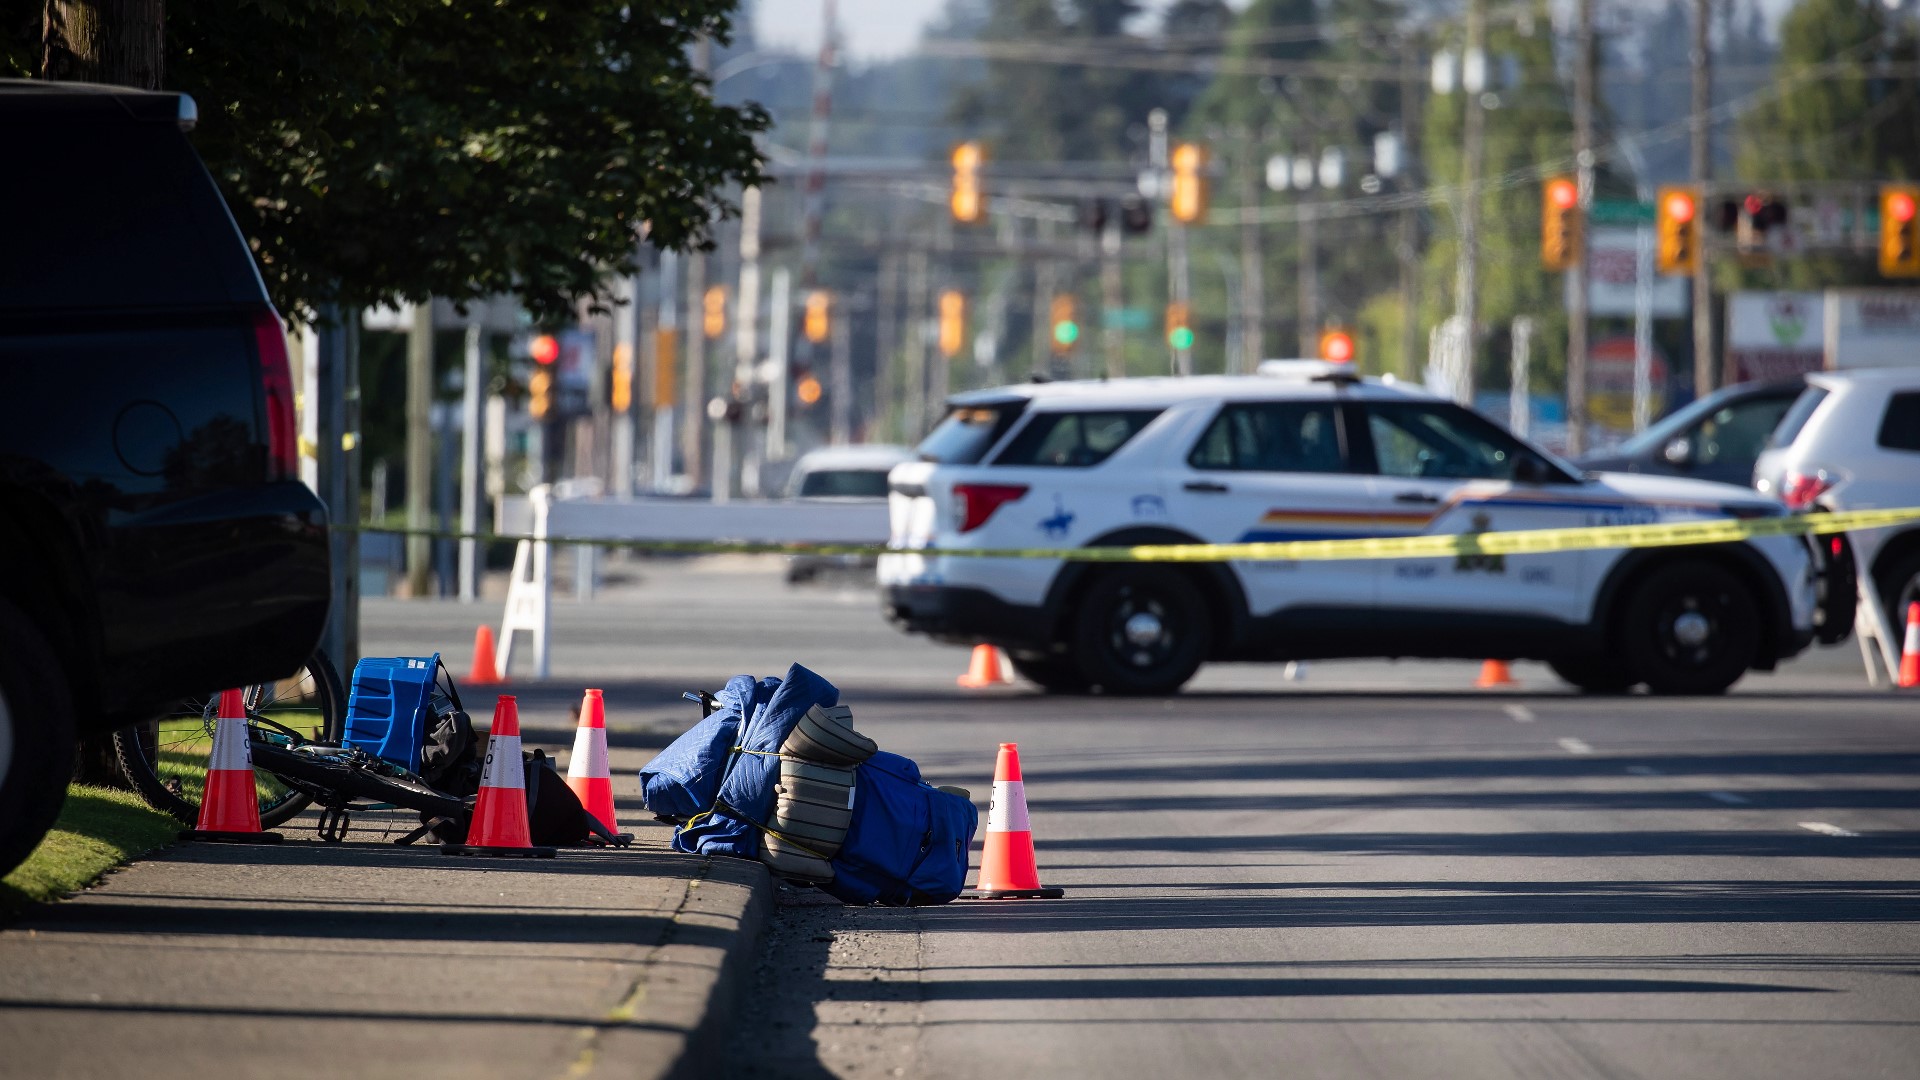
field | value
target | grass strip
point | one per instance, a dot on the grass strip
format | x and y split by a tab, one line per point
99	829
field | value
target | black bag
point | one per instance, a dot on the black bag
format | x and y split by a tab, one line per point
450	759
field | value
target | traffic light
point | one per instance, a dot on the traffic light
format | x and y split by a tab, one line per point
540	393
1065	330
1900	230
1179	326
1336	345
808	391
544	349
953	322
622	377
713	320
968	202
1677	218
1559	223
818	322
1189	198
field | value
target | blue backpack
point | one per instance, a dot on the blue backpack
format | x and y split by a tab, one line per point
908	843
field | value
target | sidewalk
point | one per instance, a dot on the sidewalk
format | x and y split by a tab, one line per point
370	960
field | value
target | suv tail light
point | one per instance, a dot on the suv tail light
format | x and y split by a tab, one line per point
973	504
1801	491
276	381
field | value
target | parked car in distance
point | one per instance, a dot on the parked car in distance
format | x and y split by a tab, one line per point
841	473
156	536
1718	437
1308	451
1851	441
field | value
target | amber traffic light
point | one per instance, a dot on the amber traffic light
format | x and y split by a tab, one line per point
953	322
1900	230
540	393
968	201
713	319
819	317
622	377
1336	345
1188	199
1559	223
1677	218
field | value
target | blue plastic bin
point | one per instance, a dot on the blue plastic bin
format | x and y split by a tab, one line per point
387	709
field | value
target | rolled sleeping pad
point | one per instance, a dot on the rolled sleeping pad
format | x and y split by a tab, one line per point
825	734
789	861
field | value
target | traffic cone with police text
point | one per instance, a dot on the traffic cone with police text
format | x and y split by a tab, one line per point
587	772
1910	650
986	669
1007	867
483	672
230	806
499	825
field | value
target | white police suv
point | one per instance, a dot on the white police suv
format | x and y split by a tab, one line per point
1308	451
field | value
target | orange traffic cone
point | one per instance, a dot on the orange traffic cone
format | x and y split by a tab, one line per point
483	673
1007	867
230	807
587	772
986	669
1494	673
499	825
1910	650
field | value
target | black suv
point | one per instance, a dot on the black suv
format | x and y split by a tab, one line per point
155	538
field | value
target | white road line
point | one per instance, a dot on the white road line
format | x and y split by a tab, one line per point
1642	770
1520	713
1575	746
1825	829
1728	797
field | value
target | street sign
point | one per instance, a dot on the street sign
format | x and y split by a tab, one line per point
1126	318
1620	212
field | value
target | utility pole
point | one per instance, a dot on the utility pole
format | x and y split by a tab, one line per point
419	444
626	361
1252	260
916	367
746	329
1179	284
887	339
1700	167
666	349
1113	341
841	430
329	429
1466	292
1045	277
693	391
779	334
814	207
1577	273
470	463
1308	278
1409	216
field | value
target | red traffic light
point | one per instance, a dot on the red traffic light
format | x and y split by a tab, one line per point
544	349
1680	207
1900	207
1563	193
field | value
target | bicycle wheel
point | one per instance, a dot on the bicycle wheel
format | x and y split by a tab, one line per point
166	758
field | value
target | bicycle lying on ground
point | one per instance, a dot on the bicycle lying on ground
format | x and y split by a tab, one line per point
294	731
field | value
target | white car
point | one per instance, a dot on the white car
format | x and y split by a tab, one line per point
1308	451
1851	441
843	474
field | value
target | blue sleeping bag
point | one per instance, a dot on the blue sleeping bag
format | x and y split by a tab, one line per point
744	801
683	779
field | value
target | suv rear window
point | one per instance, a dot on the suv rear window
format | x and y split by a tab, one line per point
1797	416
1074	440
968	432
1900	428
844	483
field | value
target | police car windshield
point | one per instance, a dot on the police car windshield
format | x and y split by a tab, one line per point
968	432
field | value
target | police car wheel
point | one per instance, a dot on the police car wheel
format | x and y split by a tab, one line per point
1594	674
1690	628
1141	630
1055	675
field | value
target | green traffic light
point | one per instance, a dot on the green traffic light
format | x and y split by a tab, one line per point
1180	337
1066	332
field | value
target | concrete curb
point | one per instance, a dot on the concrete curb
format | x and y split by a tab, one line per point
674	1024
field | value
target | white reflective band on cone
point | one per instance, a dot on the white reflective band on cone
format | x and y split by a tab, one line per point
1008	811
589	760
503	764
230	749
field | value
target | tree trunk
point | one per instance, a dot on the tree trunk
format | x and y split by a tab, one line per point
120	42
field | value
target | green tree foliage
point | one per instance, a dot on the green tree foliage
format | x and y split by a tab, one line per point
415	148
1835	117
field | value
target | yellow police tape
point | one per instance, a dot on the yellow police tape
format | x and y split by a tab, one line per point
1525	541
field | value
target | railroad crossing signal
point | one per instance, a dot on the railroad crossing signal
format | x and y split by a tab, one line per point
1336	345
1179	326
968	202
1900	230
1188	200
818	322
1677	222
1065	330
1559	223
713	321
953	322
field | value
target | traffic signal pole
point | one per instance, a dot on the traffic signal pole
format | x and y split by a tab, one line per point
419	445
1252	262
1466	289
1700	167
1577	303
